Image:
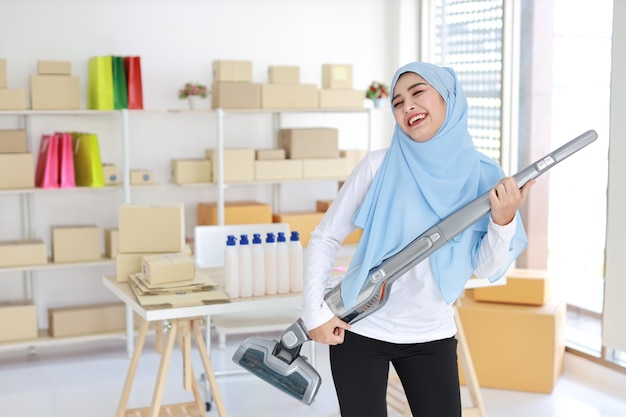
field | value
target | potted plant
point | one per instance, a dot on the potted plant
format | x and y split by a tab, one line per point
191	92
377	92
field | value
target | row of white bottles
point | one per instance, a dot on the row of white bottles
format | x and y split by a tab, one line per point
258	268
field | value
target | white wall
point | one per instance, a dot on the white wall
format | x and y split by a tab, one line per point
177	42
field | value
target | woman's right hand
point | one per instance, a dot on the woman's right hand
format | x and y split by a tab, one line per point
331	332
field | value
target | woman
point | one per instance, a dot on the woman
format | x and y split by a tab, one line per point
430	170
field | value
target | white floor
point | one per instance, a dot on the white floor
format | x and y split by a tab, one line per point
86	380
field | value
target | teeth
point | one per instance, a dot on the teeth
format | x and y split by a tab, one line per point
416	118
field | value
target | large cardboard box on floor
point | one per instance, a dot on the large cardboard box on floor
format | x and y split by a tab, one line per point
17	171
309	142
523	286
157	228
54	92
18	321
238	164
235	212
513	346
232	71
88	319
76	244
235	95
13	141
303	222
289	96
23	253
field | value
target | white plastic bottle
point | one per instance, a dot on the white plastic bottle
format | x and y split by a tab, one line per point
231	267
282	264
296	263
258	266
245	267
271	279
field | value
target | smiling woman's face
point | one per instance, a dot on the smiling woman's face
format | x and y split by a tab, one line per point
417	107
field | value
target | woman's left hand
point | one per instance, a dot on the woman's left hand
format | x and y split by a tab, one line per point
506	198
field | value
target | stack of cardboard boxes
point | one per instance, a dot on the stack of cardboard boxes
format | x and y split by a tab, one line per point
54	87
515	332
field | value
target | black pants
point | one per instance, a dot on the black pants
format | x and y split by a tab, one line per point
428	371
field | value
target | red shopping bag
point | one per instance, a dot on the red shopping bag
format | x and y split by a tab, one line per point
66	161
47	171
132	69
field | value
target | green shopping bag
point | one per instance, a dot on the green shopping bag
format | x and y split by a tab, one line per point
120	93
87	163
100	86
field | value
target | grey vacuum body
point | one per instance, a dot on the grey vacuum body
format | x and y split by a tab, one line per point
280	364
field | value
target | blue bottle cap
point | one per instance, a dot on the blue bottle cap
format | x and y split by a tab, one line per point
270	238
281	237
257	238
231	240
243	240
295	236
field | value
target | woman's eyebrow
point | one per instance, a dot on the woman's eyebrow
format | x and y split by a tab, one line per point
408	89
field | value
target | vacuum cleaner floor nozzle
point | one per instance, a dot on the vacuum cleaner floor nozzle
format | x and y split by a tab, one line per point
298	379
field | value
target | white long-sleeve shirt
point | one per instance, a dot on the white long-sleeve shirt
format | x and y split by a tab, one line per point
415	311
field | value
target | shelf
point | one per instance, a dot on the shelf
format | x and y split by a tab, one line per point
57	112
44	191
269	111
52	265
44	340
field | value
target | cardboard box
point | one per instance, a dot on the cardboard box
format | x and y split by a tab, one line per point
54	92
337	76
235	95
17	171
88	319
285	169
111	239
282	74
54	67
289	96
168	267
75	244
235	212
13	141
188	171
158	228
523	286
12	99
341	99
3	73
515	347
314	142
111	174
128	263
141	177
23	253
270	154
232	71
18	321
238	164
302	222
325	168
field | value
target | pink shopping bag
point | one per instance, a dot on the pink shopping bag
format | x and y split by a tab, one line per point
66	161
47	172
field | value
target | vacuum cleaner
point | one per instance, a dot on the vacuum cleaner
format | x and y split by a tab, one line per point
280	364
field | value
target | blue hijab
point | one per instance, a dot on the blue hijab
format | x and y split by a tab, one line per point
420	183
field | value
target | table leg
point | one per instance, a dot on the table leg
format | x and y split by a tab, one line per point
208	369
163	368
132	368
